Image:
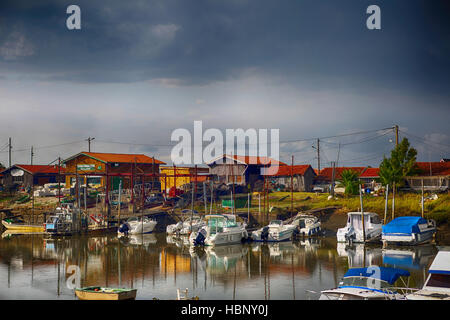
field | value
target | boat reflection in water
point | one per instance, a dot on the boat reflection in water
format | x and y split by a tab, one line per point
417	258
138	239
359	255
33	267
179	241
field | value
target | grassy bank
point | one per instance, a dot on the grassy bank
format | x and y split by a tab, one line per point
405	204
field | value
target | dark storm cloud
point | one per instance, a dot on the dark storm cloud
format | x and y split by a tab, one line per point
197	42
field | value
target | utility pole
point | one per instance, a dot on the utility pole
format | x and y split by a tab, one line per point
89	143
10	147
32	154
318	155
396	135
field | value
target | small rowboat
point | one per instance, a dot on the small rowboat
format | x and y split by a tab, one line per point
11	225
101	293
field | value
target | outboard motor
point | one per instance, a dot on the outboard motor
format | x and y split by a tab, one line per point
265	234
124	228
200	239
350	236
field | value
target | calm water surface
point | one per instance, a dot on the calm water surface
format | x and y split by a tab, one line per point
33	267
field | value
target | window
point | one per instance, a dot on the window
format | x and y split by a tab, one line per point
375	220
18	179
94	180
439	280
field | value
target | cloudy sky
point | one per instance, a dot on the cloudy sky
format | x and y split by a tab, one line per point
137	70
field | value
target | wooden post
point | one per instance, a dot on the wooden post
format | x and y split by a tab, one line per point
153	174
165	185
333	175
422	203
195	181
59	181
132	186
292	185
386	204
393	200
212	196
32	194
192	206
120	200
362	214
204	196
175	178
259	203
107	207
248	207
143	192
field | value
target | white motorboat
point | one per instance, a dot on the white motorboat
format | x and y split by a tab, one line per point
370	283
353	231
174	228
135	225
191	224
307	225
276	231
220	229
409	231
437	286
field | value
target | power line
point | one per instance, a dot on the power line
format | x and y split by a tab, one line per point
45	147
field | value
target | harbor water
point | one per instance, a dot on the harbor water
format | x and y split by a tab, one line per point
36	267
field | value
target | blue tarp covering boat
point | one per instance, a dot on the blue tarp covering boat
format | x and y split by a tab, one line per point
403	225
389	275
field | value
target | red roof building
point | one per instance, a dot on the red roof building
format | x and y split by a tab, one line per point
125	169
302	176
242	170
435	176
28	175
326	174
371	173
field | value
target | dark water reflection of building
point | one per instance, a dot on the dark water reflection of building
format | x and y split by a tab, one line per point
32	267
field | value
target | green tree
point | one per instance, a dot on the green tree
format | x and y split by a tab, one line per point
349	179
401	164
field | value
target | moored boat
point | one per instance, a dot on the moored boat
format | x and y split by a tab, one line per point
102	293
221	229
353	231
307	225
136	225
11	224
370	283
274	232
408	231
437	285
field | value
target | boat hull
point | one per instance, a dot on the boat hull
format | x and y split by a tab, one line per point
22	227
285	235
91	295
409	239
137	228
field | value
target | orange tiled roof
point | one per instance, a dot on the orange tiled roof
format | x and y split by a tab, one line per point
39	168
287	170
433	168
121	157
253	160
327	173
371	173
